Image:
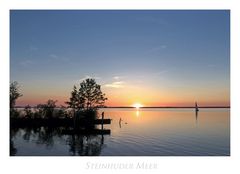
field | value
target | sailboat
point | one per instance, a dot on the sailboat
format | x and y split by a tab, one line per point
196	107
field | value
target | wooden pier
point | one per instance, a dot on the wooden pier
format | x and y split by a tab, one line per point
37	122
70	126
102	121
87	132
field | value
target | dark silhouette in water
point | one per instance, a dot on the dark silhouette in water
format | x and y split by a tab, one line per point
83	145
13	149
120	122
196	111
196	116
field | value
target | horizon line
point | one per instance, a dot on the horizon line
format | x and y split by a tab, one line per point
143	107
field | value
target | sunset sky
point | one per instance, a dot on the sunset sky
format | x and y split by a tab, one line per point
155	58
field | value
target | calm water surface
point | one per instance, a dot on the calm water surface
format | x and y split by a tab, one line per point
143	132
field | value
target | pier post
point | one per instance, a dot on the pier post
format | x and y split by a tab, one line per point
102	119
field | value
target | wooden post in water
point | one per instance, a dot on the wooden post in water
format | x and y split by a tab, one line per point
74	119
102	119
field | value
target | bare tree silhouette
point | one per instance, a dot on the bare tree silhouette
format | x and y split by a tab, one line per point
14	93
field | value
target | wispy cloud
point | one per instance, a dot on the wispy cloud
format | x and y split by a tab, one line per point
118	84
152	20
57	58
118	77
26	63
89	77
163	46
158	48
161	72
211	65
54	56
33	48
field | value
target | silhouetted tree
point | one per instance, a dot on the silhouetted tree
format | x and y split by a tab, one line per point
48	108
75	101
91	92
89	96
14	93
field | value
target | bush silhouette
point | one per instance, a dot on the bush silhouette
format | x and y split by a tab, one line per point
46	110
28	112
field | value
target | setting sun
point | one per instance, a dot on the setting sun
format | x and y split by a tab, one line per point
137	105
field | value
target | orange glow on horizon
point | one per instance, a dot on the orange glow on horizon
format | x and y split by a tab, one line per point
128	95
23	101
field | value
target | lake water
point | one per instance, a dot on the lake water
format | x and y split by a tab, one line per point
142	132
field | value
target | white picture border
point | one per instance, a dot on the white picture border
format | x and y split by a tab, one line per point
59	165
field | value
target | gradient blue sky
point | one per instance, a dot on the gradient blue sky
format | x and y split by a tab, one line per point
156	58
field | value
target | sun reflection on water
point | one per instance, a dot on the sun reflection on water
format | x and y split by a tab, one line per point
137	113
